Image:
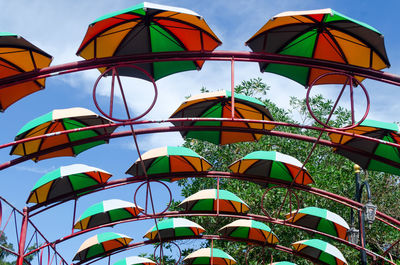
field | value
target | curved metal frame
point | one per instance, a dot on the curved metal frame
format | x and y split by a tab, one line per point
350	80
219	56
115	75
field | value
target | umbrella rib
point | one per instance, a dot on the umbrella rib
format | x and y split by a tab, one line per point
29	49
105	30
339	49
126	39
332	25
285	47
17	68
242	117
191	25
372	152
184	158
46	131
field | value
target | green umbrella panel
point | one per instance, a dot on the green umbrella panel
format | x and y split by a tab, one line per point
211	200
274	165
100	244
174	227
169	159
106	212
250	229
149	28
57	121
209	256
67	181
321	220
321	251
383	131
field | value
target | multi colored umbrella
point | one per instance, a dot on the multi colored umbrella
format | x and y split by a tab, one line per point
106	212
135	260
209	201
218	105
209	256
174	227
250	229
321	251
319	34
56	121
147	28
17	56
67	180
272	164
384	131
100	244
169	159
321	220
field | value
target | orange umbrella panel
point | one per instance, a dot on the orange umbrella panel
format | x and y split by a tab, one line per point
17	56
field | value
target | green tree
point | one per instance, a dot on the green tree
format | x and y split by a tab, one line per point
3	253
330	171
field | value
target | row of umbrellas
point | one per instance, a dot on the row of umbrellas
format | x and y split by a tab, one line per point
151	28
260	165
108	242
111	211
208	105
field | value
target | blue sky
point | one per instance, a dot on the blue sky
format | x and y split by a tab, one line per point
58	28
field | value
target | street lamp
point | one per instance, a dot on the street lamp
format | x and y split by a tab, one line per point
367	215
353	234
370	212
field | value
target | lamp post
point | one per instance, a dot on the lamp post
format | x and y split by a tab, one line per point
366	215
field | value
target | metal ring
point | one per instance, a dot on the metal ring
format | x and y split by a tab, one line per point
155	250
247	255
124	100
145	212
353	80
290	193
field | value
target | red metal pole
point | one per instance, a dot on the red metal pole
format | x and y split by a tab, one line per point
232	88
22	239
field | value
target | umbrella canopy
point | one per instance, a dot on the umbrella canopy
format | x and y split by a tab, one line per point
174	227
135	260
147	28
101	244
17	56
319	34
56	121
208	256
67	180
106	212
272	164
206	200
169	159
218	105
250	229
385	131
320	250
320	220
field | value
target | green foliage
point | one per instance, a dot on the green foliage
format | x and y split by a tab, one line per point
331	172
5	255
